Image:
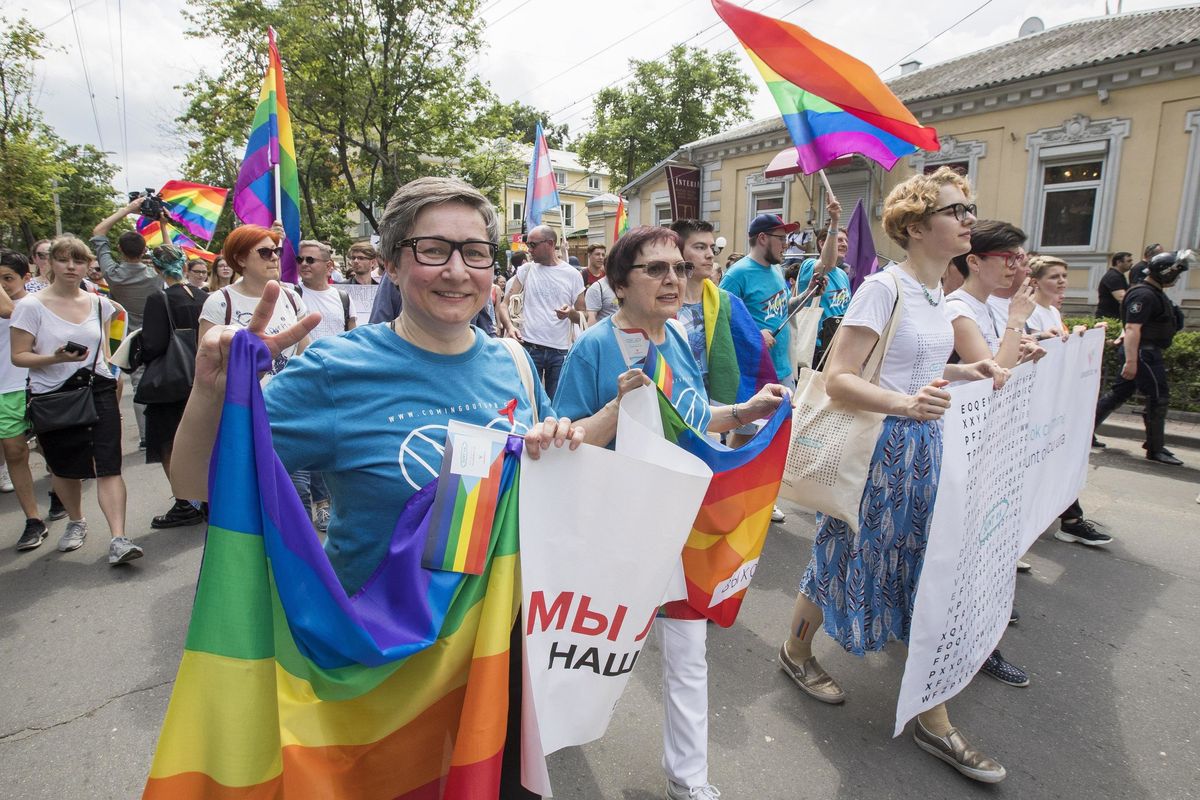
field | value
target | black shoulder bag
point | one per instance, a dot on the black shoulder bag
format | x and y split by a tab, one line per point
58	410
168	378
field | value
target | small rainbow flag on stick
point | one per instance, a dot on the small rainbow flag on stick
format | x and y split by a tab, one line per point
659	370
832	103
722	551
195	206
268	185
460	525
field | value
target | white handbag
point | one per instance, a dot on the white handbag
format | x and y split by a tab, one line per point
804	328
832	444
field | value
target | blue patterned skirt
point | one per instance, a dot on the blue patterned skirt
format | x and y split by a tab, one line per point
866	583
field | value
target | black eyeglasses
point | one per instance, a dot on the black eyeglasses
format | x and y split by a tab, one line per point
960	210
658	269
434	251
42	254
267	253
198	271
308	260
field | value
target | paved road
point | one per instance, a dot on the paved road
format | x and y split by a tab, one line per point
1110	638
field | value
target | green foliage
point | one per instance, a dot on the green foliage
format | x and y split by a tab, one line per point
380	92
518	122
687	95
1181	359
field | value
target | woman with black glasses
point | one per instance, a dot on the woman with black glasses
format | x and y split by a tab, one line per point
253	254
646	271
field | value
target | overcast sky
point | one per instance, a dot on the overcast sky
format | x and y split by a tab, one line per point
552	54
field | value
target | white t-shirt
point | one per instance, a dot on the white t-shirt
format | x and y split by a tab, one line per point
601	299
961	304
51	332
288	310
545	289
328	302
1000	306
1044	318
924	337
12	378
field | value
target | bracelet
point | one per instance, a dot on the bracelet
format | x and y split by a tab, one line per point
1018	331
736	418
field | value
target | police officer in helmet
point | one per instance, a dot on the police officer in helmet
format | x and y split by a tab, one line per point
1151	322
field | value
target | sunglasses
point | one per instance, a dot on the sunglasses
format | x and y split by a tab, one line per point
268	253
658	269
42	254
308	260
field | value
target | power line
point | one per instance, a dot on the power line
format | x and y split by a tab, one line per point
86	75
117	91
124	99
509	13
904	58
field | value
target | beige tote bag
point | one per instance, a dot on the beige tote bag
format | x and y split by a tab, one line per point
804	326
832	444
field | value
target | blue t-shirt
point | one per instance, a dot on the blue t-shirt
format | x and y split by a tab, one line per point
765	293
369	410
836	298
589	375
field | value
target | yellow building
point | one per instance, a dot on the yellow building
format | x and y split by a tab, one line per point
1086	135
577	184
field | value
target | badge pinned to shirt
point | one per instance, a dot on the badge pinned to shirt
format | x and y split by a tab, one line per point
634	345
464	504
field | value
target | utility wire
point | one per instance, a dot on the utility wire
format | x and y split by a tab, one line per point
905	57
86	75
124	100
508	13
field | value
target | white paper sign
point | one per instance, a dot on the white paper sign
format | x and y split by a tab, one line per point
598	546
1012	461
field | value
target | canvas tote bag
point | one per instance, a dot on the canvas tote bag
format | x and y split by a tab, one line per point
804	327
832	444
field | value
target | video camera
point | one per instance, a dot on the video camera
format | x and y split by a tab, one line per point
152	206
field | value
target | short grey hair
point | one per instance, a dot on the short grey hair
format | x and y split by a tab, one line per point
415	196
546	231
326	250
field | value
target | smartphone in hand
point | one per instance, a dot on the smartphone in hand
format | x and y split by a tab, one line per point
74	348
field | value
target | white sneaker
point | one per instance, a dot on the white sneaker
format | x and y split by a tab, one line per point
5	481
1023	566
777	515
705	792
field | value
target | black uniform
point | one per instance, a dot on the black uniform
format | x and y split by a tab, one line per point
1113	281
1147	305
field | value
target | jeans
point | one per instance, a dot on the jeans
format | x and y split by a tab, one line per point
547	363
311	488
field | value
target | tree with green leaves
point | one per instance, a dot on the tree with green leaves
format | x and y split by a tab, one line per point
380	92
518	121
686	95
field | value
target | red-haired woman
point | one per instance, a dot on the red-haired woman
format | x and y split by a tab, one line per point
253	253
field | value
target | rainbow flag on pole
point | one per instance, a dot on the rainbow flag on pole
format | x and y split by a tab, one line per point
268	185
722	551
541	190
195	206
151	231
832	103
739	363
621	227
290	689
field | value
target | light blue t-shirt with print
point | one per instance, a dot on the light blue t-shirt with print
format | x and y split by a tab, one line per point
765	293
836	297
369	411
589	375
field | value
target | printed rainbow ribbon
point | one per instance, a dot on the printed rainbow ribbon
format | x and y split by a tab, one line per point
727	536
832	103
271	153
290	689
195	206
739	363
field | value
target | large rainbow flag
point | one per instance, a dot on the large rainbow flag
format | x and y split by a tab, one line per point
722	551
195	206
290	689
739	362
151	231
271	157
832	103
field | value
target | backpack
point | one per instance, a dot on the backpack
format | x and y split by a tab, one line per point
284	289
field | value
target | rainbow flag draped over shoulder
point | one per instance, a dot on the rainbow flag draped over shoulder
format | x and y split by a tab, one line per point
832	103
739	363
290	689
195	206
727	537
271	154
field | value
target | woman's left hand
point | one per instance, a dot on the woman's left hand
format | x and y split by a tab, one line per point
558	431
987	368
765	401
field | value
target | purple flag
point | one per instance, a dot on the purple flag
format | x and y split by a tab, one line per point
860	255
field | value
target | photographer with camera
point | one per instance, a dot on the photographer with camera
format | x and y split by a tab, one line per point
129	280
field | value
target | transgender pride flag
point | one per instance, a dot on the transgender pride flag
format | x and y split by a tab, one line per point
541	191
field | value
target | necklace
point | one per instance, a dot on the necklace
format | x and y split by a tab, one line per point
928	297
